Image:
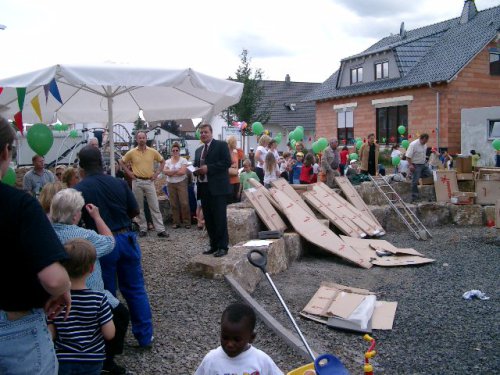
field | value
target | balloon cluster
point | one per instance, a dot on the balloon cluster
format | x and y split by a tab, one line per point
241	125
278	138
297	134
61	127
319	145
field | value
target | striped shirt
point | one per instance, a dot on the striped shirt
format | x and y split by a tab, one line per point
103	245
79	338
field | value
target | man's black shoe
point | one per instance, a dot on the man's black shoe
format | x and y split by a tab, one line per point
209	251
163	234
220	253
110	367
143	233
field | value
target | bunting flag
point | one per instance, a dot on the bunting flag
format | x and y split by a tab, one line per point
46	90
54	90
1	90
21	94
35	103
18	118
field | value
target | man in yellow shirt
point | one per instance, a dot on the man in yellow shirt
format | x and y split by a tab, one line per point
143	175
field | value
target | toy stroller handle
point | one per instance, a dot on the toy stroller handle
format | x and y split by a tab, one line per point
258	258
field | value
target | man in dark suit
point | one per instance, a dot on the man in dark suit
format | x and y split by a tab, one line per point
213	161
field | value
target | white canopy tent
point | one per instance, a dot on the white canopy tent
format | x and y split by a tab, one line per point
116	93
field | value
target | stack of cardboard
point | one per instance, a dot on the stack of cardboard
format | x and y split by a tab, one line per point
348	308
488	185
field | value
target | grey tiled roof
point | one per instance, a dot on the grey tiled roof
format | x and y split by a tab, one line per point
433	53
277	93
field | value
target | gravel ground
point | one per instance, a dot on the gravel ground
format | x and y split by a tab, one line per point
435	331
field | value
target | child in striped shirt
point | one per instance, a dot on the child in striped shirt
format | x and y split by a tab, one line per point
79	340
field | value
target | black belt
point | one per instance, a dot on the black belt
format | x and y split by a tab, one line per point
121	231
142	178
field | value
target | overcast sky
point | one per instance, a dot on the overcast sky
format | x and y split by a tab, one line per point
305	39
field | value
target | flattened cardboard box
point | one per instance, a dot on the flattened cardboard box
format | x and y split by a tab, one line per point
464	164
445	183
488	192
332	299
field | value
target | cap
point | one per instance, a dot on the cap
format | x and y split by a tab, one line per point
251	148
300	154
353	161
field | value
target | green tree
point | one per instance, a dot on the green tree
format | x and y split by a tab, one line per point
251	106
139	124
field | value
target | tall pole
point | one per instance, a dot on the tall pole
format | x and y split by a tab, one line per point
110	132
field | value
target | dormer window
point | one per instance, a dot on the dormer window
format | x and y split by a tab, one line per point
356	75
382	70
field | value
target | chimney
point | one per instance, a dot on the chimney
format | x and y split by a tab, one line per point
287	78
469	11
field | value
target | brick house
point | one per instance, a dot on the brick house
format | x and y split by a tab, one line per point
418	78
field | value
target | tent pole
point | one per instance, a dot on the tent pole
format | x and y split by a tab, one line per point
110	133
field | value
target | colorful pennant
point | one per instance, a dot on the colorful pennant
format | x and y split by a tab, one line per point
21	94
54	90
35	103
18	118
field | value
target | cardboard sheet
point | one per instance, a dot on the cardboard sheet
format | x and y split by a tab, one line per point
257	185
353	196
284	186
309	227
334	216
344	304
488	191
265	210
383	315
445	183
387	246
400	260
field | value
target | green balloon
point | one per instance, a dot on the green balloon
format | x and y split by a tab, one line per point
353	156
401	129
40	138
300	127
396	160
57	127
64	127
197	134
257	128
292	143
73	134
496	144
278	138
405	143
323	142
10	177
299	134
359	144
316	147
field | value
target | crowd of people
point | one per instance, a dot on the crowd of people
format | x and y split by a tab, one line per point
74	245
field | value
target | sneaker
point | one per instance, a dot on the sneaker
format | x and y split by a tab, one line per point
163	234
110	367
143	233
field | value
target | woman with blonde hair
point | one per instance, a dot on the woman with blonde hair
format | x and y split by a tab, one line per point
260	156
70	177
177	185
271	170
234	180
47	193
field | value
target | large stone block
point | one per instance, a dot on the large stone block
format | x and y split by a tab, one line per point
242	224
380	213
466	214
433	214
488	213
165	210
393	223
294	246
234	263
427	193
277	260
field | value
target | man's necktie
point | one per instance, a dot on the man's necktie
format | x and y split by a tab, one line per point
202	161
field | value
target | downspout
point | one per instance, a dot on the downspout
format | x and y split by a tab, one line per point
437	114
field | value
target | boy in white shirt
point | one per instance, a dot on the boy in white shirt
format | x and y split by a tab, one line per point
236	355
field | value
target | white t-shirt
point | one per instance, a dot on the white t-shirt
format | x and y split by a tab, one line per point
171	166
263	152
271	176
403	166
252	361
417	152
395	153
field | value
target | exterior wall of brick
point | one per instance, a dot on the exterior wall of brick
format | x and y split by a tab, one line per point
473	87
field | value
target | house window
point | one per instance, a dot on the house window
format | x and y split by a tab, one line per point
356	75
388	120
494	129
345	127
382	70
494	62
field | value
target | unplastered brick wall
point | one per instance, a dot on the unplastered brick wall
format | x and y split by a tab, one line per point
473	87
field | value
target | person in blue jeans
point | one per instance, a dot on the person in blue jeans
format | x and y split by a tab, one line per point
117	206
32	279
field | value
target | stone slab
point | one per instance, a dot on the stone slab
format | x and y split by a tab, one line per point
243	224
466	214
433	214
294	246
